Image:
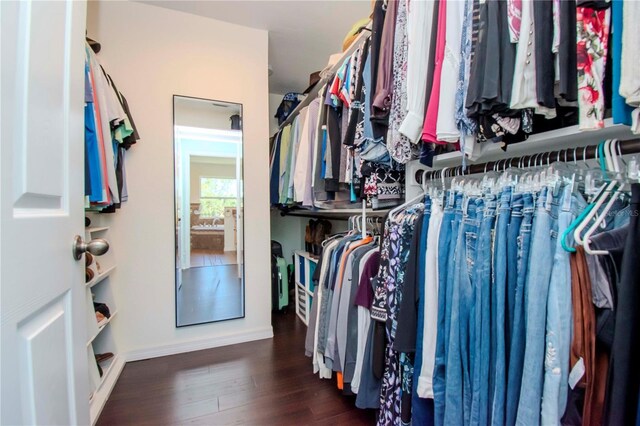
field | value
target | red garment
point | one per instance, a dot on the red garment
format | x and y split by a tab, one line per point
431	116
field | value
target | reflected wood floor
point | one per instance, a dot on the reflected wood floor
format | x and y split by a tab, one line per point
208	257
267	382
209	293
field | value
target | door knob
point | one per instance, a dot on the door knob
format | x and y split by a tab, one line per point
96	247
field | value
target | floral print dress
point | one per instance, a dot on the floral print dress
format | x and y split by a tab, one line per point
387	299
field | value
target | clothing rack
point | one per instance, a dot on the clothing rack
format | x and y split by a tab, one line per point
324	78
626	147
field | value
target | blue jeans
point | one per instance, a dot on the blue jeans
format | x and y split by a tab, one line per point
543	243
523	214
458	381
421	408
559	318
498	377
513	231
479	322
452	215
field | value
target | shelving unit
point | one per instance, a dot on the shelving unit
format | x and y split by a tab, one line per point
100	337
304	268
334	214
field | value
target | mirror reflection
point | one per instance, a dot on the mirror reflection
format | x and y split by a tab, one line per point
208	208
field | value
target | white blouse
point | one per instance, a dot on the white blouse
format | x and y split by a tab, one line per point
446	129
420	36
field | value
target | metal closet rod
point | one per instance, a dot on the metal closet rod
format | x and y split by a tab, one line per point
630	146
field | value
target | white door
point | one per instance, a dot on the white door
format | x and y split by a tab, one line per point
43	360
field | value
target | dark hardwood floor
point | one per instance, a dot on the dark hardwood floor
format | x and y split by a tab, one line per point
267	382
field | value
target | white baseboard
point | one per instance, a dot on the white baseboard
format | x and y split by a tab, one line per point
197	345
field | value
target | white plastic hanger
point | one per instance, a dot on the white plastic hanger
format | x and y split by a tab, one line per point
603	196
411	202
614	162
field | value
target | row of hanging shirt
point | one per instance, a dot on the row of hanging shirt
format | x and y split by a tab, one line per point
339	319
327	154
473	71
481	313
109	133
456	74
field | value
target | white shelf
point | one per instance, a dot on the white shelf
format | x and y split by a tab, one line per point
306	255
100	277
540	142
101	338
102	327
96	229
108	380
567	137
329	213
303	294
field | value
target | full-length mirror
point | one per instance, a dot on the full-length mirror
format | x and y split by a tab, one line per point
208	207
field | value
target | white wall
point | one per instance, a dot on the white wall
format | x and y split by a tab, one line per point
200	113
153	53
199	170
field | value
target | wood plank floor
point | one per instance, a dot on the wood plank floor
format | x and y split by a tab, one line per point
209	293
208	257
267	382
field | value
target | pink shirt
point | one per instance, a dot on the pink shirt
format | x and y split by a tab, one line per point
431	117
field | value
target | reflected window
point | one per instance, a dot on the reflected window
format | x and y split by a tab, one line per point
215	195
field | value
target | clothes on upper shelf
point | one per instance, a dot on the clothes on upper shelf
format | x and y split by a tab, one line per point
289	102
465	73
328	153
109	133
471	311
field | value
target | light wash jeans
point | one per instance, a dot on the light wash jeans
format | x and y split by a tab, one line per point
458	381
498	380
446	251
516	350
543	242
480	317
559	318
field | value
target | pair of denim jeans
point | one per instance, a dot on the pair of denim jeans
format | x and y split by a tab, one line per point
481	314
459	354
447	241
520	225
543	243
559	318
499	318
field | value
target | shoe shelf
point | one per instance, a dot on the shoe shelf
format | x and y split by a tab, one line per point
304	265
97	230
101	336
101	386
99	277
101	326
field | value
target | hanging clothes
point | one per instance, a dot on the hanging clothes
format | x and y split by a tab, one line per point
109	132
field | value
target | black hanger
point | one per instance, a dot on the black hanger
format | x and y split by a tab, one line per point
94	45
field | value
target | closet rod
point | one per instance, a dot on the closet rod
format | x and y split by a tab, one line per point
630	146
313	93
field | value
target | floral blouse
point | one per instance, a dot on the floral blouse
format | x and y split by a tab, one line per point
592	45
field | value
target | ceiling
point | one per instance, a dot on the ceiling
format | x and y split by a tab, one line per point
302	33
